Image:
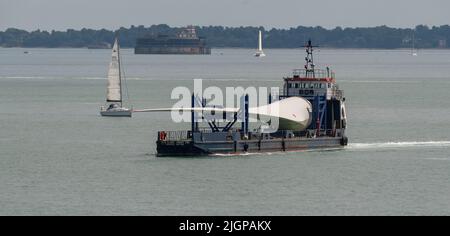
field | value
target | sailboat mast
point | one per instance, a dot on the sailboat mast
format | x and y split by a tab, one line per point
120	70
260	41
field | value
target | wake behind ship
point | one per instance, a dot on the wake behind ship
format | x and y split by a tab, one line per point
186	42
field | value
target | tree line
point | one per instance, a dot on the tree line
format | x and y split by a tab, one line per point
381	37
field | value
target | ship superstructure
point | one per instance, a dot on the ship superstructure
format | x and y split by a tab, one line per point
320	88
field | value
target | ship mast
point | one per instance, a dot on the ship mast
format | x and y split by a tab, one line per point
309	66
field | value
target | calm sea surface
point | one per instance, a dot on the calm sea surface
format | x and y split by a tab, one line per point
59	157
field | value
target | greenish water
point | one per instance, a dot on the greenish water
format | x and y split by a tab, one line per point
59	157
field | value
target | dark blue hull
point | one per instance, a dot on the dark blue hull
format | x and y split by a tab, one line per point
189	148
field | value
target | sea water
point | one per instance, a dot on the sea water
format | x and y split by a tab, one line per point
59	157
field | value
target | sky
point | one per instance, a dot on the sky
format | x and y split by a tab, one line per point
112	14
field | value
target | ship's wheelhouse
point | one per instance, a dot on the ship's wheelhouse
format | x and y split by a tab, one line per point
311	83
318	87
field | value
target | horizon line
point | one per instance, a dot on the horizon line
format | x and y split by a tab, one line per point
224	26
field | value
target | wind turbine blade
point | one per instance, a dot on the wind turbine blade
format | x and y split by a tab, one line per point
190	109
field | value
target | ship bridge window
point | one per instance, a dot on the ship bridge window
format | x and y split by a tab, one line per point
289	85
296	85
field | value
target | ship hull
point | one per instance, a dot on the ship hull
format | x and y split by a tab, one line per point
260	54
187	149
122	113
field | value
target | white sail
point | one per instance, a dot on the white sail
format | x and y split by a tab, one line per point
259	51
260	42
114	93
414	51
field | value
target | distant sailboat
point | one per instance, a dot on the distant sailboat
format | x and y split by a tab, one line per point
114	96
413	50
259	51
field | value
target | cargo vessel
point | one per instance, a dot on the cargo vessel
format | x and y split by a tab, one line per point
311	115
185	42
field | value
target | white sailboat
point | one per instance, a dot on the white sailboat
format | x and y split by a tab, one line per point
413	50
259	51
114	95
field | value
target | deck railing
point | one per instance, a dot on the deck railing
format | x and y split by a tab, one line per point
174	135
306	133
185	136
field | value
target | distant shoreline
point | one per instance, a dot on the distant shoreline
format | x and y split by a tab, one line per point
245	48
381	37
